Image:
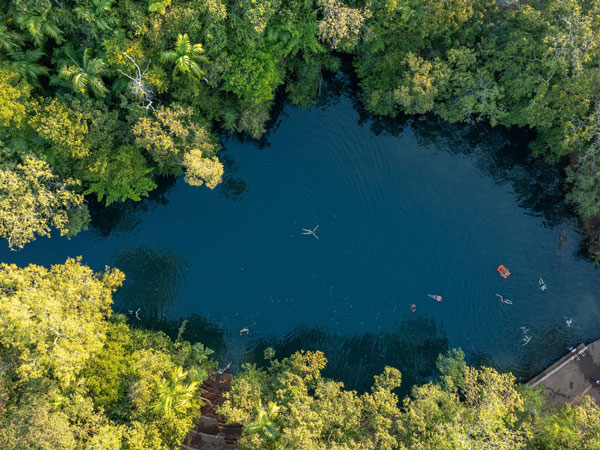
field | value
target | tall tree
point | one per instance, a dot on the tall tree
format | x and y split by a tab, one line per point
33	200
87	76
187	57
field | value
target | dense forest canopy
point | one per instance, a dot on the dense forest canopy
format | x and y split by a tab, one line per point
75	376
100	97
289	405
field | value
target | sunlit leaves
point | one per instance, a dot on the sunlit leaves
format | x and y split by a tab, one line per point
85	77
119	174
201	170
13	101
186	57
52	319
33	200
65	129
175	394
39	26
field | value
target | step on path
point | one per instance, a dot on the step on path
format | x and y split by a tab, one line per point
211	432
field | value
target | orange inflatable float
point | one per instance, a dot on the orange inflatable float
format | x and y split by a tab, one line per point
504	273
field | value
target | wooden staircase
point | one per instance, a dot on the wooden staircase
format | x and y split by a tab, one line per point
211	432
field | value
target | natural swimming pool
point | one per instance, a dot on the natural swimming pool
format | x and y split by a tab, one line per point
405	208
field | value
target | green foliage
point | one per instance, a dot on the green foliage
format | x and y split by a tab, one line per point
306	411
32	200
13	102
575	426
186	56
74	379
158	6
452	367
119	175
527	64
87	76
47	330
174	142
63	128
470	409
254	77
341	25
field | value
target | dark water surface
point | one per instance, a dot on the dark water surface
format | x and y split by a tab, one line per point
404	209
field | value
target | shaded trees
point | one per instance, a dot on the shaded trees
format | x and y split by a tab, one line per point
74	377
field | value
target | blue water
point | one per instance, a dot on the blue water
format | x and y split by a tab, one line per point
405	208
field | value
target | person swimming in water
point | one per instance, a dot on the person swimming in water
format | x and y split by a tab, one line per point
504	300
569	322
244	330
312	232
526	340
542	284
413	307
437	298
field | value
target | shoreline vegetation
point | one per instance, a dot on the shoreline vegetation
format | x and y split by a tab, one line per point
76	376
102	97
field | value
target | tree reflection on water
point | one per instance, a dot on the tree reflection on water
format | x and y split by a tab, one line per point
153	280
412	346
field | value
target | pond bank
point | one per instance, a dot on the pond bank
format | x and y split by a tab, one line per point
572	376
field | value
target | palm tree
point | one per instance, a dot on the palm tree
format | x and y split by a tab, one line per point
263	424
40	26
87	76
174	396
97	14
186	56
9	40
24	64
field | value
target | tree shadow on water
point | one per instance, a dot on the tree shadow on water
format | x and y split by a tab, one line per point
197	329
232	187
501	153
153	281
124	217
412	346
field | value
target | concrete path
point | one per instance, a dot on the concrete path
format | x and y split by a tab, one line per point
573	375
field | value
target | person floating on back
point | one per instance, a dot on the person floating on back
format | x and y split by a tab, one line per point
542	284
413	307
437	298
311	232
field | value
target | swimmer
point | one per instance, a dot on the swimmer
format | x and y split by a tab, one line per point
524	330
542	284
437	298
526	340
504	300
413	307
312	232
136	313
244	330
224	369
569	322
